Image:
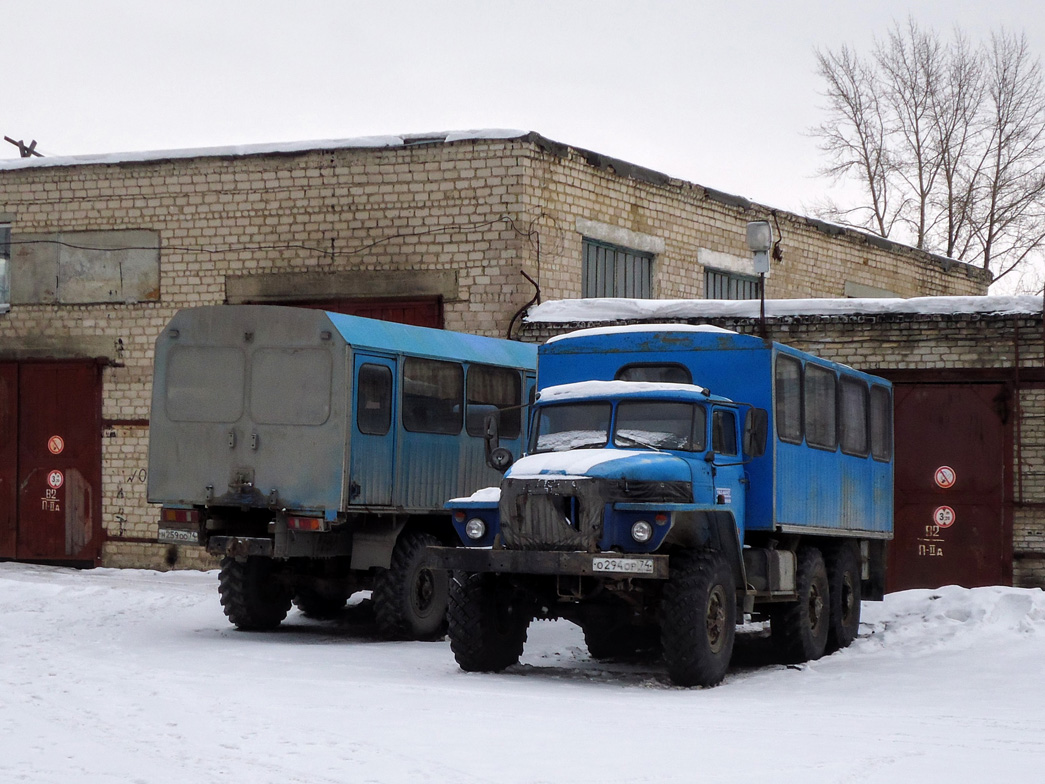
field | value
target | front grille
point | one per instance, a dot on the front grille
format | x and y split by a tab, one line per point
652	492
551	514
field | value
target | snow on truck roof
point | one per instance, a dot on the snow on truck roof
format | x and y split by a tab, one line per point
587	389
616	330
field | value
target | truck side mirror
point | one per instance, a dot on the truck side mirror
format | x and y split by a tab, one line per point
756	432
497	457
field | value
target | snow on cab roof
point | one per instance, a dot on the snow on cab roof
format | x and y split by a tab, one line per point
582	389
585	333
361	142
619	309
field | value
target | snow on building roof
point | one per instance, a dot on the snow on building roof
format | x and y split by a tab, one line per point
575	311
274	148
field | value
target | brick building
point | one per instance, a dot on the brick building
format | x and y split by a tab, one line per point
98	253
969	394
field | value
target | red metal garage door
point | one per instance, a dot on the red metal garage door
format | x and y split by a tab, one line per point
8	459
953	446
58	463
422	312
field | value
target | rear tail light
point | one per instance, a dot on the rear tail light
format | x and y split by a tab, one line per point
296	523
170	515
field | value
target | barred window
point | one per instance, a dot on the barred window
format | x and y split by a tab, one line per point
729	285
612	271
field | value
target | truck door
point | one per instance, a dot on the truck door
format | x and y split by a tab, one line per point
728	471
372	449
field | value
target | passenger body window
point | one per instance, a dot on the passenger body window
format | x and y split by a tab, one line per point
788	399
374	399
494	390
433	394
881	423
668	373
724	432
819	407
852	416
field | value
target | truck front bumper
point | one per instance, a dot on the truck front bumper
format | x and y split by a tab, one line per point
469	559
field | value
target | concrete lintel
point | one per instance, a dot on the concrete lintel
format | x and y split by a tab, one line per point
59	347
364	284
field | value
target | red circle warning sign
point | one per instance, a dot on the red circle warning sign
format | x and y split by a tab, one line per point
944	516
56	444
945	477
55	479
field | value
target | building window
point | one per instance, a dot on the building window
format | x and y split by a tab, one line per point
5	266
729	285
613	271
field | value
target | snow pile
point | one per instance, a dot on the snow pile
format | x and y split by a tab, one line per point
123	676
955	618
567	311
586	389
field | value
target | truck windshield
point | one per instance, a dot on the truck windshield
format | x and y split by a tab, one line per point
660	425
571	426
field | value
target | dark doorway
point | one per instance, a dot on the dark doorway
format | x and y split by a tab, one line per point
953	454
52	444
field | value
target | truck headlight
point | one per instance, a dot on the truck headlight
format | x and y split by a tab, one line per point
475	528
641	531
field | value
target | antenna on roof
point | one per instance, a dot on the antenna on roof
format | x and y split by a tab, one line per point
26	151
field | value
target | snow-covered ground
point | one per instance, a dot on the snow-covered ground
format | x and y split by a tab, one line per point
135	676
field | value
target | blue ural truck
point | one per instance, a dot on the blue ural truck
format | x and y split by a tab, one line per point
657	512
314	453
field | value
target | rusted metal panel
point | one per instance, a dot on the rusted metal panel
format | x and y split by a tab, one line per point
420	312
59	462
953	446
8	459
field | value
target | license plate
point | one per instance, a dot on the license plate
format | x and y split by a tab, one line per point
623	565
177	536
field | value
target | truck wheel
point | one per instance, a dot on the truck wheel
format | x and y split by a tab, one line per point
843	580
698	618
487	629
799	629
321	606
253	595
409	598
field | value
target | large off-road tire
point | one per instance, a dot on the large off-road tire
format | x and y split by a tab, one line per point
487	628
698	612
320	605
799	629
843	581
409	598
253	595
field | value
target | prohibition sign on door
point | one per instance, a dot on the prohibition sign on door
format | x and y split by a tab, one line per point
55	479
945	477
56	444
944	516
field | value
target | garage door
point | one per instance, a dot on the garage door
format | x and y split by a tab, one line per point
953	445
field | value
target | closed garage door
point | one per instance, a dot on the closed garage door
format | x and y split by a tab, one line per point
50	415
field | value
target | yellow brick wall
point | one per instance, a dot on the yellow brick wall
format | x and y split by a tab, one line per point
485	209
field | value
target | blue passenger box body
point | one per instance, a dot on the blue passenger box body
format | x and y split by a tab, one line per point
793	487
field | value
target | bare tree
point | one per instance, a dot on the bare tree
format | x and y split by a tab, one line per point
854	137
947	142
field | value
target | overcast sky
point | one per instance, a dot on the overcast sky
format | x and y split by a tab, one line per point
718	93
